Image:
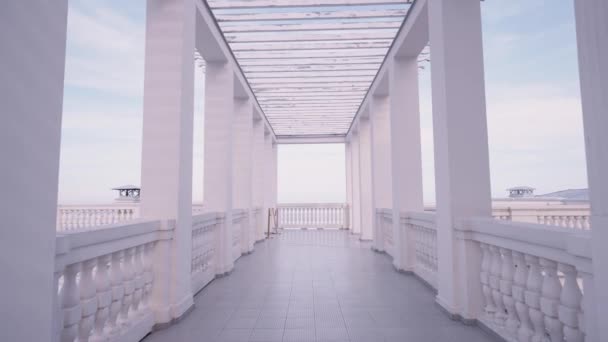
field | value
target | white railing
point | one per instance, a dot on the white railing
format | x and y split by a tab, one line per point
384	221
79	217
321	215
238	218
204	227
422	229
533	278
574	216
103	280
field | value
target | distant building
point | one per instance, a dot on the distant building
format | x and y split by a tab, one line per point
521	192
569	195
128	193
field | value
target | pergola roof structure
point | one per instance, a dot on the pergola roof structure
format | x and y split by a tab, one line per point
310	63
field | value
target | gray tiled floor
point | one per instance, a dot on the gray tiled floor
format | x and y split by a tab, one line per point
316	286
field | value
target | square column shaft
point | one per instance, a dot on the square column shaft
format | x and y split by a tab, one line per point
381	161
166	175
258	176
366	179
268	180
356	184
243	160
406	158
592	30
32	36
349	181
217	191
462	174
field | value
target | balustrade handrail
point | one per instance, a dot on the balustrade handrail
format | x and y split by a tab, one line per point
560	244
424	219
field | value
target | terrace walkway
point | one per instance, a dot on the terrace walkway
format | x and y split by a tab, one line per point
317	286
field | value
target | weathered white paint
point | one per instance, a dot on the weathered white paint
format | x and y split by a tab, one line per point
406	159
219	118
32	36
461	147
592	30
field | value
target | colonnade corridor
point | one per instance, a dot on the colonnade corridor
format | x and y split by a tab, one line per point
317	286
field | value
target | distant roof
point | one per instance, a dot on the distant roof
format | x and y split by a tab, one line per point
570	194
520	188
126	187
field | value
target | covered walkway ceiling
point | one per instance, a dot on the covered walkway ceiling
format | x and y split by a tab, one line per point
310	62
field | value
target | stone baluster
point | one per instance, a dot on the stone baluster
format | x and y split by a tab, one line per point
495	268
72	311
524	332
138	268
570	304
549	301
57	305
489	307
129	283
104	298
506	288
118	291
88	300
532	297
148	274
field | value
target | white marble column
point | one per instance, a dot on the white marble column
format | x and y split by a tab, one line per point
268	177
462	174
592	33
166	171
243	164
258	177
356	183
32	61
274	175
367	208
381	161
219	118
349	180
406	159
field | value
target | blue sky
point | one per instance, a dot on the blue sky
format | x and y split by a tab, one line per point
534	114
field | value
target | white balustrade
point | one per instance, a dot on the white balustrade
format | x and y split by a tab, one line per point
104	282
384	220
423	231
203	248
238	218
575	216
533	279
323	215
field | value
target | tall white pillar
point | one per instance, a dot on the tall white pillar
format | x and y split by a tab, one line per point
268	178
32	36
592	30
219	117
274	175
349	181
243	164
166	171
367	207
406	159
258	176
381	161
356	183
462	174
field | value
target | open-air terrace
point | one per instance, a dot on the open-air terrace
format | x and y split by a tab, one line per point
155	266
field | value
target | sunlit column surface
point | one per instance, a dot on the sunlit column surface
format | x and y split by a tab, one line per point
462	174
243	176
258	176
381	163
32	36
166	175
356	183
406	160
592	39
219	116
367	207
